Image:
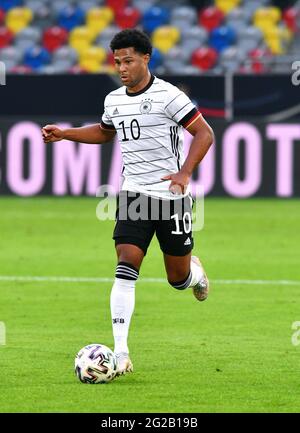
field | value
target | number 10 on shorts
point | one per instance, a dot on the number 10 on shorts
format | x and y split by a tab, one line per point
187	223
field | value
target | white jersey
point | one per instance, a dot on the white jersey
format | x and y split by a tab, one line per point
149	127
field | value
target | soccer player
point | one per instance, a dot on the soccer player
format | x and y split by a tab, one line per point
149	115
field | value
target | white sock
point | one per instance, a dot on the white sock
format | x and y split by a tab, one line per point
122	300
196	274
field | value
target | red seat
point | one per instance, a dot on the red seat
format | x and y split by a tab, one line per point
211	17
54	37
260	60
204	58
290	16
110	59
127	18
2	17
117	5
21	69
6	37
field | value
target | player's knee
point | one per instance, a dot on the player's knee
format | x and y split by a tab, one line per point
181	284
126	271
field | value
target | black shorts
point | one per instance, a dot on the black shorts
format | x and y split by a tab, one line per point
139	216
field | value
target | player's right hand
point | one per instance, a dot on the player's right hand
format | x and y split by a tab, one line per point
52	133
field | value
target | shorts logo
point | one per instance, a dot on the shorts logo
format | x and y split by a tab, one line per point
187	242
145	107
118	321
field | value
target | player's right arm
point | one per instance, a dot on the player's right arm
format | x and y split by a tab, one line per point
91	134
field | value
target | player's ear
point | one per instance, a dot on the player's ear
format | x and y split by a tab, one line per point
147	58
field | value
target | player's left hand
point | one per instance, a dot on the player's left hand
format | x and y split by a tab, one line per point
179	182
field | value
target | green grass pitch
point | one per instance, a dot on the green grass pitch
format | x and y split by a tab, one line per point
231	353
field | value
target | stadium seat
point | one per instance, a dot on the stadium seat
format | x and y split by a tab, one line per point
249	38
155	17
227	5
193	38
43	17
92	58
277	39
143	5
204	58
127	18
231	59
6	37
117	5
28	37
291	17
165	37
98	19
80	38
264	18
237	19
58	5
33	5
2	17
70	17
11	57
211	18
175	58
18	18
36	57
86	5
156	59
21	70
6	5
105	37
222	37
54	37
183	17
64	58
260	60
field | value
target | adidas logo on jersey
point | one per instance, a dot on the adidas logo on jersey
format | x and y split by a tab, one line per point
187	242
116	111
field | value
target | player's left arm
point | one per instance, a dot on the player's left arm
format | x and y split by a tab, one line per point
203	138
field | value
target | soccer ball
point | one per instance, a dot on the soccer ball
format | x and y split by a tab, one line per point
95	363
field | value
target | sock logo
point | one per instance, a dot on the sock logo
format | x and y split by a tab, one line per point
118	321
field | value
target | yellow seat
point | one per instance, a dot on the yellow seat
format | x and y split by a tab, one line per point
266	17
81	38
227	5
277	39
97	19
165	37
92	58
18	18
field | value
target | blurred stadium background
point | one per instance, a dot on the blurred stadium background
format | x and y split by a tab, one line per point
239	60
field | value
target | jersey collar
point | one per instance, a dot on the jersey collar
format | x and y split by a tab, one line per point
142	90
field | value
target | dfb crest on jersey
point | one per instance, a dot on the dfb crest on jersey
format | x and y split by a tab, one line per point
145	106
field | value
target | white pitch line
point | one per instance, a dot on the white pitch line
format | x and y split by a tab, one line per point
61	279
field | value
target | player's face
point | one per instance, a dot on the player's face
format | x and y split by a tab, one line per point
131	66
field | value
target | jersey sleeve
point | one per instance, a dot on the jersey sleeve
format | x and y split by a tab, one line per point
180	108
106	122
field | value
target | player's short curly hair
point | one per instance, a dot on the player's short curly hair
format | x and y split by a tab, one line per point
132	38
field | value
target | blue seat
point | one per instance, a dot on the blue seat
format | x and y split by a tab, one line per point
36	57
70	17
9	4
156	59
222	37
155	17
